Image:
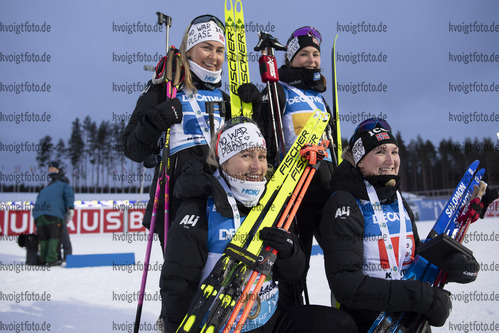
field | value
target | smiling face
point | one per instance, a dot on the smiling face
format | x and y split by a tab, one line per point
248	165
308	57
209	55
382	160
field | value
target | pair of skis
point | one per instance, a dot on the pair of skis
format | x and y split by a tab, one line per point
237	56
221	295
421	269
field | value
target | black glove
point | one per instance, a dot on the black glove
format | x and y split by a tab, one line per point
461	268
440	307
249	93
152	160
278	239
166	114
489	196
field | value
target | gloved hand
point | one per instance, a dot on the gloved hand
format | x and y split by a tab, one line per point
166	114
249	93
473	211
440	307
70	214
278	239
152	161
489	197
461	268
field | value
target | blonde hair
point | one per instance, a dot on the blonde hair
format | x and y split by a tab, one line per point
188	85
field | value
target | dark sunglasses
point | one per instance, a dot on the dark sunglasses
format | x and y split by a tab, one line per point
306	31
368	125
207	18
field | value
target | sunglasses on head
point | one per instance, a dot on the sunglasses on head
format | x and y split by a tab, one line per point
368	125
306	31
207	18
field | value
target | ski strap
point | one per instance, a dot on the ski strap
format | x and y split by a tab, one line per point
395	267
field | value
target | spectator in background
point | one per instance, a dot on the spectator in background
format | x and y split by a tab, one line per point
53	207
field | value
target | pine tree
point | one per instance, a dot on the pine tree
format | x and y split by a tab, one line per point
60	153
44	154
75	149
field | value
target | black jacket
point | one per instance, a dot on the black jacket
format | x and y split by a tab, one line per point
141	143
186	249
362	296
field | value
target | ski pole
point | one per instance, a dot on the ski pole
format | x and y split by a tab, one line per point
314	154
270	75
172	84
167	21
162	18
173	63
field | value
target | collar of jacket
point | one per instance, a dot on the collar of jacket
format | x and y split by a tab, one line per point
302	78
349	178
201	85
197	181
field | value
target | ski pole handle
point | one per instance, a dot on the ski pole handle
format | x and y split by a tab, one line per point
167	21
268	41
268	68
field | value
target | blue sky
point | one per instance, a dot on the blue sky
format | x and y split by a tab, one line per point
424	46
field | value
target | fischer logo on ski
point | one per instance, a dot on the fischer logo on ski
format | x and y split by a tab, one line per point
237	57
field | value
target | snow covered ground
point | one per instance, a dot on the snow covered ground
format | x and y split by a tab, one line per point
104	299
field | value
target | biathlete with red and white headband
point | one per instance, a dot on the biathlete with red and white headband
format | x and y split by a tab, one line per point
299	94
202	53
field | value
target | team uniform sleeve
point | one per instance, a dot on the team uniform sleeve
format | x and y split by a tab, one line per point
342	229
69	197
185	257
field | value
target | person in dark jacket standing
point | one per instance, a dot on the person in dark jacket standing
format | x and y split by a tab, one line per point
369	235
299	94
202	51
53	204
